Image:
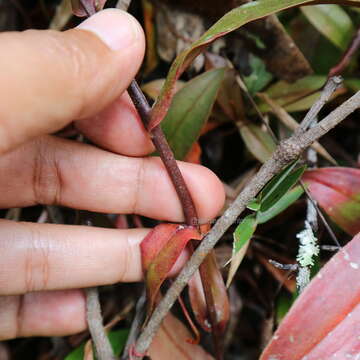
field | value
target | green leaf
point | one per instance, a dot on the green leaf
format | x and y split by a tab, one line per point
254	205
276	180
117	340
242	235
189	111
228	23
295	96
77	354
259	77
282	204
258	142
332	21
280	186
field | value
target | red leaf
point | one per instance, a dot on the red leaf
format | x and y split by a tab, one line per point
218	292
198	302
324	319
155	241
194	154
160	249
343	342
83	8
337	190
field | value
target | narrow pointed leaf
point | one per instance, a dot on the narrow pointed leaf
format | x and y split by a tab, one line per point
169	242
254	205
259	142
219	297
273	184
189	111
319	325
332	21
229	22
281	188
284	93
279	185
337	190
242	236
282	204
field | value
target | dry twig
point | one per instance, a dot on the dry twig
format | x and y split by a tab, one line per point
95	322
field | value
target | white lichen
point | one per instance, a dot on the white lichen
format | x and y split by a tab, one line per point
308	248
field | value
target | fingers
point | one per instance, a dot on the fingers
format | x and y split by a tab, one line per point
38	257
58	171
49	313
118	128
50	78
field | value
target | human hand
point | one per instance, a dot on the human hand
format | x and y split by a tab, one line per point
49	79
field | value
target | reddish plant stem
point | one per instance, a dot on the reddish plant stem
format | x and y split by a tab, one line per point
188	318
348	54
165	153
187	203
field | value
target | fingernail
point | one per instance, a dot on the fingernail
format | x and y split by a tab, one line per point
116	28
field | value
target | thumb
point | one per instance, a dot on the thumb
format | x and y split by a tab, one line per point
50	78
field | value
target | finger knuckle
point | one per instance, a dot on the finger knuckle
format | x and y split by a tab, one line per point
36	261
138	185
47	180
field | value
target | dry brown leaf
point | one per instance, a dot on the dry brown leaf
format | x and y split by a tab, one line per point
171	343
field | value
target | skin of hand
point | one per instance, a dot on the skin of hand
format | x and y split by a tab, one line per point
48	80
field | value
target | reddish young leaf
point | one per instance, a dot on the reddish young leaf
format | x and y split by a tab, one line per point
337	190
160	249
155	241
83	8
219	295
324	319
